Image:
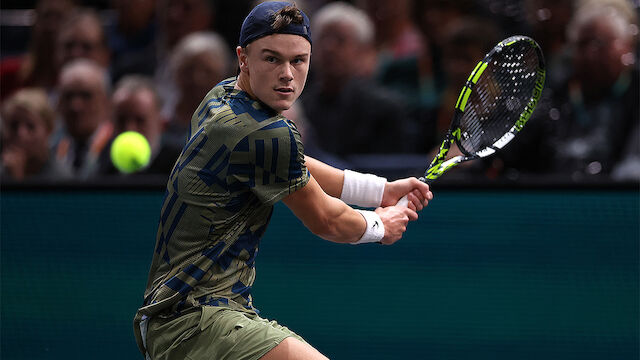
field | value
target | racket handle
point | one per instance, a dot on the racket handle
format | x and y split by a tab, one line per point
404	201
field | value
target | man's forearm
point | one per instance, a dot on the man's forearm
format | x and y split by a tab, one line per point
342	225
326	216
329	178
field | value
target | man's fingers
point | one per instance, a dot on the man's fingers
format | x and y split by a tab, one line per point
416	200
411	214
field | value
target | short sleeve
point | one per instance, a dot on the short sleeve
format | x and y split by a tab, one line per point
270	161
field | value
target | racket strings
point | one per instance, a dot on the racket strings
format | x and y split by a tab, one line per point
499	97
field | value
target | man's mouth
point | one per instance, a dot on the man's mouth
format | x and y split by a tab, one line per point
284	90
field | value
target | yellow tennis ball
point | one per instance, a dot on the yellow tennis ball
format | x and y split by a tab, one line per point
130	152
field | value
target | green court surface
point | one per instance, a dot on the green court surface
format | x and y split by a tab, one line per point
483	274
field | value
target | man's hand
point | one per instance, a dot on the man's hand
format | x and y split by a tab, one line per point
417	192
395	219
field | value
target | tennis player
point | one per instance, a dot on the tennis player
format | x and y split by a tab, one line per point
241	158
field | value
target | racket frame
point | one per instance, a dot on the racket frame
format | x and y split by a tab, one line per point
438	166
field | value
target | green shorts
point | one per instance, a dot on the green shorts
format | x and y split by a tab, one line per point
214	333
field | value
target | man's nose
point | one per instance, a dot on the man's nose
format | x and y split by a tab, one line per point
287	73
23	132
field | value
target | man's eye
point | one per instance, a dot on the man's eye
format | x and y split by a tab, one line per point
271	59
297	61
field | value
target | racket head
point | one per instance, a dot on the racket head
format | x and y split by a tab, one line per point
499	97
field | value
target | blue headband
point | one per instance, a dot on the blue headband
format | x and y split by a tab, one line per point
258	23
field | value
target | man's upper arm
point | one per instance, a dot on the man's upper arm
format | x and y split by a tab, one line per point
270	162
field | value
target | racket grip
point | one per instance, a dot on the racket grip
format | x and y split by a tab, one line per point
404	201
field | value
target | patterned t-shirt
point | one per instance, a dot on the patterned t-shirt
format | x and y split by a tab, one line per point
240	159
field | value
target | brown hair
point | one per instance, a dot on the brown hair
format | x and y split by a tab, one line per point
285	16
35	101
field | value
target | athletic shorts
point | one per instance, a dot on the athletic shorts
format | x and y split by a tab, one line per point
214	333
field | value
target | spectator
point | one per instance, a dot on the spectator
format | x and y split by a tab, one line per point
397	36
586	122
603	92
85	112
180	18
307	133
548	21
347	109
82	37
136	107
27	124
421	78
177	19
36	68
466	42
234	12
198	63
434	17
132	38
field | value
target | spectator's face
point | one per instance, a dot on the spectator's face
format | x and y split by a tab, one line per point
277	66
83	103
434	21
337	51
49	15
459	60
197	74
137	111
599	56
548	18
385	14
25	131
133	15
82	40
183	17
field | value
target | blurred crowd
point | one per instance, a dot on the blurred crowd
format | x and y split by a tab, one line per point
384	79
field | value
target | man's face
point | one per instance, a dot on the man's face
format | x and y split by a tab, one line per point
82	40
459	60
180	18
50	14
133	15
277	66
137	111
83	103
197	74
599	53
338	51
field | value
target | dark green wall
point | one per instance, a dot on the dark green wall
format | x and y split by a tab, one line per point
538	274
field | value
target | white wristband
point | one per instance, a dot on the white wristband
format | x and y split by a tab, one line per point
364	190
375	228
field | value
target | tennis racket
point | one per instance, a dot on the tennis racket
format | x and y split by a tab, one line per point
494	105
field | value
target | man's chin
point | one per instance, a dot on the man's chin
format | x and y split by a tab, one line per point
281	106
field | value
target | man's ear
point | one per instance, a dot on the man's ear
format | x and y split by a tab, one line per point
242	59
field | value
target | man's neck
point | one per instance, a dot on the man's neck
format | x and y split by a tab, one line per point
244	85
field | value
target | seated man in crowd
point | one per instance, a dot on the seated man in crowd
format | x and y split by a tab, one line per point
347	110
85	112
580	128
136	107
198	63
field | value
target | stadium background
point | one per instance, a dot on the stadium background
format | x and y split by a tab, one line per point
493	272
485	273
